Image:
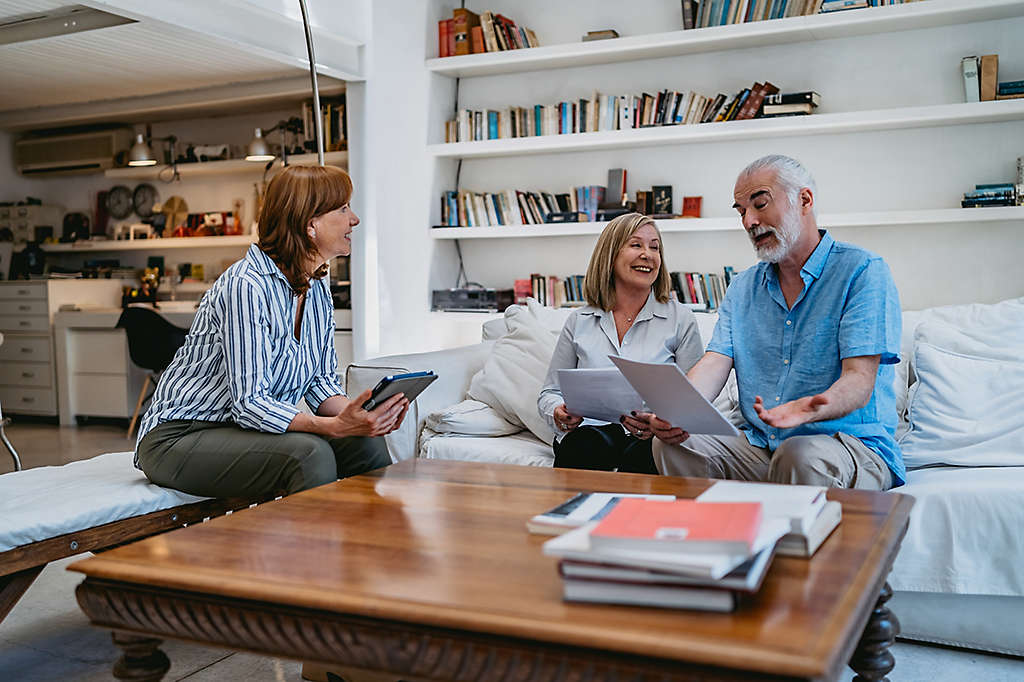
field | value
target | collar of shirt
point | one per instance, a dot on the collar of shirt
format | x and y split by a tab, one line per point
651	309
265	265
810	271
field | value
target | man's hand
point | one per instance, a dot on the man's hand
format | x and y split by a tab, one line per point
566	420
662	430
353	420
794	413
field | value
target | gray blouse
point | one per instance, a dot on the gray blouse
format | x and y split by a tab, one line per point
662	332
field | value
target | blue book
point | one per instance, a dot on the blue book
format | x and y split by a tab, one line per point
1010	89
996	186
537	112
1012	84
492	125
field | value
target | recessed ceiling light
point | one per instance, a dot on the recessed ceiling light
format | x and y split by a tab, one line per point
56	22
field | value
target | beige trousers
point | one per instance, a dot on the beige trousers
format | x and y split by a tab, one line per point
836	461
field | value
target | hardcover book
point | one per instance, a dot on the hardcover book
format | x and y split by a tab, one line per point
579	509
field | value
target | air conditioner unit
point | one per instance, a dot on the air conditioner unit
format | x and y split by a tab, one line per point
72	153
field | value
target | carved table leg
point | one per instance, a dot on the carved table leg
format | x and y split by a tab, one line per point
142	660
872	660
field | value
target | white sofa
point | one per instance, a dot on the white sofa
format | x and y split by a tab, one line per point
958	578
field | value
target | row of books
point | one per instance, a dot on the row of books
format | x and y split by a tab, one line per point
701	290
708	553
334	122
550	290
468	33
702	13
994	194
623	112
516	207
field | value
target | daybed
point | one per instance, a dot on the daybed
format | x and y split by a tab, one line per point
958	578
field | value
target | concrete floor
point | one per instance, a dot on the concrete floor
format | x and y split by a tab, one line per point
47	638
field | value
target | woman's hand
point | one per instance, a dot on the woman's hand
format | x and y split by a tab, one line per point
565	420
665	432
353	420
637	424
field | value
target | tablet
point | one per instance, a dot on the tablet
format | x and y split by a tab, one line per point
411	384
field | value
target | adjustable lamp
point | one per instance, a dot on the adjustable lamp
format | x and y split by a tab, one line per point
258	150
140	154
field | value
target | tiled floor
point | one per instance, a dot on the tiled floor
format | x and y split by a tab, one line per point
47	638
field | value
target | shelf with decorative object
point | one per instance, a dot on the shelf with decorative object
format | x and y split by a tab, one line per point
228	167
791	126
866	21
107	245
922	217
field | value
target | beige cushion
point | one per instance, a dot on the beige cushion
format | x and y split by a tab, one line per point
472	418
513	374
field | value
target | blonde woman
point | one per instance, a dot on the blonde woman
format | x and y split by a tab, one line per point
628	314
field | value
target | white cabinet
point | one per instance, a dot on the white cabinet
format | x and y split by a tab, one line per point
27	376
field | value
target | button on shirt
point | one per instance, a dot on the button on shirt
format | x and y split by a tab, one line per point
662	332
849	307
241	361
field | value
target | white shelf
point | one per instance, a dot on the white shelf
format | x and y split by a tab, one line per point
230	167
108	245
790	126
736	36
871	219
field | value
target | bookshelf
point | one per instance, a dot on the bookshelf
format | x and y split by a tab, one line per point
915	15
228	167
922	218
754	129
153	245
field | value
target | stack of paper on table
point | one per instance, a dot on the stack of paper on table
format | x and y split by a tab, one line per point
810	516
679	553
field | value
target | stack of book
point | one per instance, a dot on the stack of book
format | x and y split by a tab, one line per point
468	33
995	194
517	207
701	13
701	291
790	104
668	553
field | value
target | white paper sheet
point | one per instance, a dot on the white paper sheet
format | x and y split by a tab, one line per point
670	395
598	393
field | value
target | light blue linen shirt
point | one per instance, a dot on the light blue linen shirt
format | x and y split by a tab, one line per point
662	332
241	361
849	307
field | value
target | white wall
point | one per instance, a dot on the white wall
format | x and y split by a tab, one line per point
898	170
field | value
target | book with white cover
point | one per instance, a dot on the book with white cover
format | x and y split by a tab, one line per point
799	504
579	509
662	596
576	545
806	544
671	396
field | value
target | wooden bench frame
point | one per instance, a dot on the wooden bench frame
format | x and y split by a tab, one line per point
20	566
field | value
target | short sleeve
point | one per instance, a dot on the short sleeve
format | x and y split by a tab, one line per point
871	323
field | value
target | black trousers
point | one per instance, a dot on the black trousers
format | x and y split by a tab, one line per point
605	448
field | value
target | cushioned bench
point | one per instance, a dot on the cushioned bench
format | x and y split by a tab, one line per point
49	513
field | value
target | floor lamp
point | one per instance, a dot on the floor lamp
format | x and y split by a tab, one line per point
316	89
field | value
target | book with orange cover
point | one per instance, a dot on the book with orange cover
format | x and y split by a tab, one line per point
679	526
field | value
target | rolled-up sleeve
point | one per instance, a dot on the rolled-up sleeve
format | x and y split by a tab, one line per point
248	351
871	322
564	357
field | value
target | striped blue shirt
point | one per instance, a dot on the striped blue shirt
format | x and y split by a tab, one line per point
241	361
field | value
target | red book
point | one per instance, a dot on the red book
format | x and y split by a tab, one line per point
476	40
685	526
442	38
450	26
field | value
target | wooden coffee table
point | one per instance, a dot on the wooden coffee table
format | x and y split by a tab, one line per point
425	571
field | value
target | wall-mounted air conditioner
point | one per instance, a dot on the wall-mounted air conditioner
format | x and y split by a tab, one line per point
88	152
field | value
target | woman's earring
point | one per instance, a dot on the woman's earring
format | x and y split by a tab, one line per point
312	233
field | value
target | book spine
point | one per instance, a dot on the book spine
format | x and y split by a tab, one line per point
969	66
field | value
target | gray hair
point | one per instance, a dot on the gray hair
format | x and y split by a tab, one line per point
789	173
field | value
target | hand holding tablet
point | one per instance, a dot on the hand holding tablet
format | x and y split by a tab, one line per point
410	385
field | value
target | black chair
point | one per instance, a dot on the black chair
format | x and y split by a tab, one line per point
152	343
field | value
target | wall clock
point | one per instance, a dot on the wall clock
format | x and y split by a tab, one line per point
119	201
143	198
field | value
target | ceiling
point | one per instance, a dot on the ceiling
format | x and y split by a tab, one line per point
136	60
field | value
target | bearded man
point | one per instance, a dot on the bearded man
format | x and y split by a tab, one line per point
813	332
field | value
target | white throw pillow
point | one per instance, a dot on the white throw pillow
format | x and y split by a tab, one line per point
513	374
471	418
964	410
552	319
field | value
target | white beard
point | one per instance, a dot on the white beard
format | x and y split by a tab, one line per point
786	235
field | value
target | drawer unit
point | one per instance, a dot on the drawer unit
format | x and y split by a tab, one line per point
26	349
24	323
33	374
28	400
23	290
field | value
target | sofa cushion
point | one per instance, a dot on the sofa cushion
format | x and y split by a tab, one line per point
964	410
513	374
520	448
964	532
472	418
